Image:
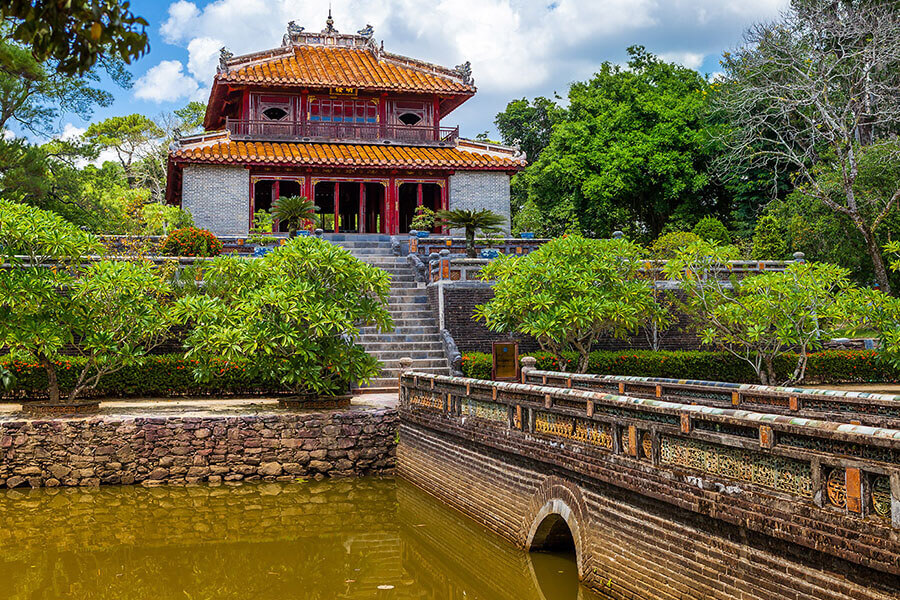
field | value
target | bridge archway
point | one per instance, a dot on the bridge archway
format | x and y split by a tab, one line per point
557	520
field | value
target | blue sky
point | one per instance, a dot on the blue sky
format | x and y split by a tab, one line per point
518	48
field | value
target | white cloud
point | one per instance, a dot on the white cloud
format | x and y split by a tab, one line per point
166	82
71	132
517	47
691	60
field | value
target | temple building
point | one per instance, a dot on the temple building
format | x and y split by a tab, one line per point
335	118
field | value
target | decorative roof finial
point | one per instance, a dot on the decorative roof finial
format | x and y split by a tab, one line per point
293	33
367	31
465	73
329	23
224	55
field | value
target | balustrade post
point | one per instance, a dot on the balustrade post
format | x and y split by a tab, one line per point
413	241
818	482
895	499
445	264
529	363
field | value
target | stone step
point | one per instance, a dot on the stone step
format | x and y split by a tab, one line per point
394	363
406	313
393	354
428	321
398	337
409	348
401	330
412	306
406	296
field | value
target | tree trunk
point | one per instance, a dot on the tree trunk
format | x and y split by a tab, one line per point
470	242
52	381
874	251
583	361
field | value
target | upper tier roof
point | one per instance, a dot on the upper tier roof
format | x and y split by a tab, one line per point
332	59
330	67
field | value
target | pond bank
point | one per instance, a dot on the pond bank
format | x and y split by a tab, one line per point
193	441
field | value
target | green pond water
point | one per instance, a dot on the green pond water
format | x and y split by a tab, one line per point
364	538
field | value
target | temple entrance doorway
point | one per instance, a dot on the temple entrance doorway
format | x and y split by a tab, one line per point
350	207
412	195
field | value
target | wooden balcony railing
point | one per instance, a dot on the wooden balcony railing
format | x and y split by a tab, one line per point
376	133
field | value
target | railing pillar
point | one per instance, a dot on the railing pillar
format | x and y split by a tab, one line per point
413	241
818	482
529	363
895	499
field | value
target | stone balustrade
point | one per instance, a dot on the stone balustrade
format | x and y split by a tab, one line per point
826	485
877	410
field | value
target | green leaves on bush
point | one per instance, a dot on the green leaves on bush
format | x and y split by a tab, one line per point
570	292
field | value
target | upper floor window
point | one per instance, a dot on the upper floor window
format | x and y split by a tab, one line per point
342	111
409	118
275	113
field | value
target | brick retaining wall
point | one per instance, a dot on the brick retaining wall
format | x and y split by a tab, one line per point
630	546
271	446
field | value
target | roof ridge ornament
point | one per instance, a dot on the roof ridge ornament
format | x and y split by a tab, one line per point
224	57
465	73
367	31
329	23
293	33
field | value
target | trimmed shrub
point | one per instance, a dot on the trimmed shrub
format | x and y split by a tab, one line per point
158	376
829	366
191	241
666	246
711	229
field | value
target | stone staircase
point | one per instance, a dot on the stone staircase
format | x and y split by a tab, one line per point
415	331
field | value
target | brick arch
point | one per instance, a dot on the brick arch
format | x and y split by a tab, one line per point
556	496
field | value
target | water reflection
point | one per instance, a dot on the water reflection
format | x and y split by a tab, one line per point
365	538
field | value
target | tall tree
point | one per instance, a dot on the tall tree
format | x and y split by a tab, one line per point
128	136
77	34
528	124
629	151
818	90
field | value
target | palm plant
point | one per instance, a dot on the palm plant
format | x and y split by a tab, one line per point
293	211
471	220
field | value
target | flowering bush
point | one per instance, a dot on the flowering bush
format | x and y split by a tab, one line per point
829	366
191	241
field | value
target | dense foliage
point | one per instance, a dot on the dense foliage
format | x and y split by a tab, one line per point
570	292
765	316
115	311
829	366
296	311
191	241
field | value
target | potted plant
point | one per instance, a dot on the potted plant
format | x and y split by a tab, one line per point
295	212
423	221
471	221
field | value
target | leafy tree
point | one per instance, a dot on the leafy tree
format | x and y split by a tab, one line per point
471	221
127	136
116	311
159	219
764	317
712	229
629	151
190	117
528	124
570	292
529	218
78	33
820	85
770	240
423	219
295	312
293	212
668	245
34	94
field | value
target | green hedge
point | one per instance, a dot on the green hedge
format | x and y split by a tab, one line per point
160	376
830	366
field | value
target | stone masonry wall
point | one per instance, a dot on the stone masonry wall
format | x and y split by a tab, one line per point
475	191
628	545
270	446
217	197
461	298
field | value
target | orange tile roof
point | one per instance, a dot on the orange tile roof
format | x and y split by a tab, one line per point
324	66
225	151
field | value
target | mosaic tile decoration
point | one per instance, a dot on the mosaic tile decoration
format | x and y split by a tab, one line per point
489	411
836	488
429	401
881	496
887	455
774	472
579	430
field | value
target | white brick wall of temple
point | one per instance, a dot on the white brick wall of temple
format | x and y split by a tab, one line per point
475	191
217	197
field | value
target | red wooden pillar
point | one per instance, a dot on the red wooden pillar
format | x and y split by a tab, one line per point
275	196
301	118
361	218
382	115
437	118
419	194
390	208
444	203
337	206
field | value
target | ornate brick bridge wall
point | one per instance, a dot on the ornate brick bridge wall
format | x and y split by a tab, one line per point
663	500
